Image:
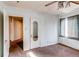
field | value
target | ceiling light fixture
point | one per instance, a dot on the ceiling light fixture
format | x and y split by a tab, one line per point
18	1
62	4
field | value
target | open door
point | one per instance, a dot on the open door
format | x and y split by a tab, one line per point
34	34
15	34
6	35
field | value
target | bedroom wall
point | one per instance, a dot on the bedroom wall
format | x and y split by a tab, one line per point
18	30
47	26
15	29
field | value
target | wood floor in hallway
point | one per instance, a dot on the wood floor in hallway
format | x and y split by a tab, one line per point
56	50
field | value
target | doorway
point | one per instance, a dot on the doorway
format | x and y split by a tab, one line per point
35	42
15	33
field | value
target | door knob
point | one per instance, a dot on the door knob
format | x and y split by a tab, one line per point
5	40
31	35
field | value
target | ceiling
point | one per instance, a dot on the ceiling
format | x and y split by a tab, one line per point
40	6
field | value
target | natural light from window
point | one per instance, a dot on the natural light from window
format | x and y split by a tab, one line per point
31	54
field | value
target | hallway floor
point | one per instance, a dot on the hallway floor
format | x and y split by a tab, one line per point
56	50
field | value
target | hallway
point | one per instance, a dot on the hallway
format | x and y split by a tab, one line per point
56	50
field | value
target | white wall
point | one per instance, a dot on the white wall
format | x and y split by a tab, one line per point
51	30
47	26
70	42
72	13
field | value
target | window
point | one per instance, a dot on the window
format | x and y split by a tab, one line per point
73	27
62	27
69	27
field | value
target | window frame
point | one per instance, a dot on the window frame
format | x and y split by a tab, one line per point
75	38
60	27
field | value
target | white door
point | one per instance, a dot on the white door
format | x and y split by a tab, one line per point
6	36
35	42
